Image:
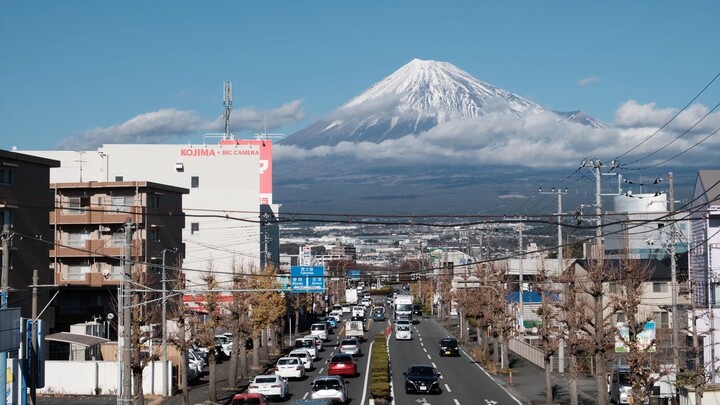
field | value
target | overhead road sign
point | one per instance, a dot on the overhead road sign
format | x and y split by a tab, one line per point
305	279
353	273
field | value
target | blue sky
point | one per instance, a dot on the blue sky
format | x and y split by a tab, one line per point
78	67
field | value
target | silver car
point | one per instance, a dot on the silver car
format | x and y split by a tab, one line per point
330	387
350	346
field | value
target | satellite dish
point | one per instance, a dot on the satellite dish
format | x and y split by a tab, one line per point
110	316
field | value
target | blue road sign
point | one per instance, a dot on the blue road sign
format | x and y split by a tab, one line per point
307	279
353	273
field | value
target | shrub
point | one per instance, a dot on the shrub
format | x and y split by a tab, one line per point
380	390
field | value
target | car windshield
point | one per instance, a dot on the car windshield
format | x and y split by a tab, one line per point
422	371
449	343
304	343
348	342
341	359
318	327
287	361
327	385
403	328
265	380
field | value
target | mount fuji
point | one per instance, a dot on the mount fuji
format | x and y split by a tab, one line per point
428	138
416	98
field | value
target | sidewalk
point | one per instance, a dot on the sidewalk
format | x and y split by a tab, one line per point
528	381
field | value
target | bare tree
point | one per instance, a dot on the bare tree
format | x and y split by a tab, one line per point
240	327
549	332
206	331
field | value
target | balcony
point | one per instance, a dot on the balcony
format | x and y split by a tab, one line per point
96	215
91	279
96	248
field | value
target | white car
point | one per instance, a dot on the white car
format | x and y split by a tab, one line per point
330	387
304	355
319	330
269	385
289	367
403	330
346	308
358	310
366	302
308	344
225	342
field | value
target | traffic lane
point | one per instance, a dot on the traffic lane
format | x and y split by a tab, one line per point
461	376
403	354
301	388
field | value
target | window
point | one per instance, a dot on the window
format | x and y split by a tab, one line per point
117	239
154	235
118	178
620	317
6	176
77	272
78	239
75	206
122	203
660	287
662	319
154	201
613	288
194	227
194	182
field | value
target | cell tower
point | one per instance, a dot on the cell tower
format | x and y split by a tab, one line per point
227	90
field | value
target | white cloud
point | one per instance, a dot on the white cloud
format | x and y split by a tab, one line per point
167	124
588	81
539	141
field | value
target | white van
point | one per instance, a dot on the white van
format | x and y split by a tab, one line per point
403	330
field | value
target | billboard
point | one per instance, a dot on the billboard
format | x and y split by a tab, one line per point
305	279
265	164
645	338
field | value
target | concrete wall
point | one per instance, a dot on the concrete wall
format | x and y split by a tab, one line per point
96	378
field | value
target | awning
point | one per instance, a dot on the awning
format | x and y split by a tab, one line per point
76	338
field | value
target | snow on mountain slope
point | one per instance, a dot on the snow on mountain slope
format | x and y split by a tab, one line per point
414	99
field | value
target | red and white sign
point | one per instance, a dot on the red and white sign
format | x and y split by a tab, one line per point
265	147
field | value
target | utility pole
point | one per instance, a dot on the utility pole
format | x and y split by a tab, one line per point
673	280
521	298
126	311
33	340
559	193
164	326
4	285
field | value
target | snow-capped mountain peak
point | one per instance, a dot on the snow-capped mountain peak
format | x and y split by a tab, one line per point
415	98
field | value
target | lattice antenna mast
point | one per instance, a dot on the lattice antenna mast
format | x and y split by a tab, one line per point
227	90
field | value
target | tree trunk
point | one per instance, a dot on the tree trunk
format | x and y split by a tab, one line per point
213	376
505	357
232	373
601	379
256	353
297	322
548	382
243	359
138	396
573	380
496	351
600	373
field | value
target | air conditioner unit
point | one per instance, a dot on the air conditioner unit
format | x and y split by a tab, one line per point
104	228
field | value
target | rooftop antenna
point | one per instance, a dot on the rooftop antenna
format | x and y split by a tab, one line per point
227	90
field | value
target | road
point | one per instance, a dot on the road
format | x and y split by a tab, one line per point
463	382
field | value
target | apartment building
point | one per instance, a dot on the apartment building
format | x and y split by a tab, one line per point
90	241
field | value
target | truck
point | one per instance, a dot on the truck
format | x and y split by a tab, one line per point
355	329
351	296
403	306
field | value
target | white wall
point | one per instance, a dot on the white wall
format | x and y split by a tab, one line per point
84	377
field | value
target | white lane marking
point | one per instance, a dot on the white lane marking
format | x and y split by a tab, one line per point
321	370
429	358
447	388
456	401
434	366
490	377
306	394
425	350
421	343
367	372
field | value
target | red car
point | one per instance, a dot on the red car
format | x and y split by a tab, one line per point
249	399
342	364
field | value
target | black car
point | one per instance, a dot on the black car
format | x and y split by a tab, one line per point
417	310
421	379
449	347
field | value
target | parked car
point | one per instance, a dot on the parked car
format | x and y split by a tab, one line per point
350	346
449	347
620	387
249	399
289	367
319	330
342	364
309	344
330	387
272	386
422	379
304	355
225	344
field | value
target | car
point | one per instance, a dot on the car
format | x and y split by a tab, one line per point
336	317
320	330
308	343
318	342
378	314
422	378
290	367
358	310
312	402
272	386
342	364
403	331
225	343
417	310
361	319
330	387
350	346
249	399
304	355
346	308
366	301
330	322
449	347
